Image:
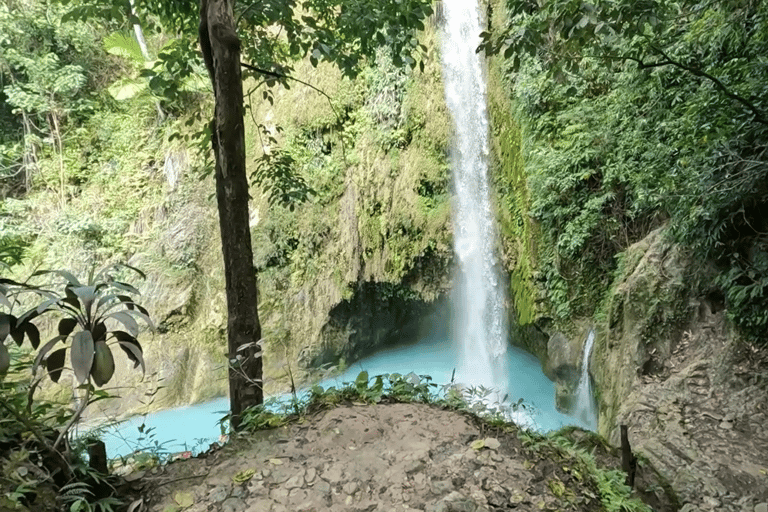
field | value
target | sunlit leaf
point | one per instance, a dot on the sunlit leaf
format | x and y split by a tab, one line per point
81	355
103	364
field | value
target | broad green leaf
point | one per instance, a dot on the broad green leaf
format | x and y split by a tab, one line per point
66	326
54	363
33	334
125	287
5	359
127	320
127	88
103	363
478	444
362	379
81	355
184	499
44	351
133	350
7	322
243	476
99	332
86	294
140	312
124	46
18	335
70	278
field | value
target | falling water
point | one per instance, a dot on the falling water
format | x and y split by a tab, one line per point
585	409
481	329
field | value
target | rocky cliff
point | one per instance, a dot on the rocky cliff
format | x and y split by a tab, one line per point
692	393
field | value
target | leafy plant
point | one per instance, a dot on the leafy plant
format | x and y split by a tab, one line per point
78	497
95	315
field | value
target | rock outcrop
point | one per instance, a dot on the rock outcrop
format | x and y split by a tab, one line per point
694	397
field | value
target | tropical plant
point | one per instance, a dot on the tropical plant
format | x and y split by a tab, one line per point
97	315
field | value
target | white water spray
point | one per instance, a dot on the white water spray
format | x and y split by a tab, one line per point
585	409
481	328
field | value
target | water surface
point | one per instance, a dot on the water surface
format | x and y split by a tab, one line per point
196	426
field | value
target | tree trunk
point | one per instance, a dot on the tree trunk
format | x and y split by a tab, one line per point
221	52
139	33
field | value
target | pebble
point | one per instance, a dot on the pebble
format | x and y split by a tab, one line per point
761	507
351	487
295	481
278	494
233	505
323	487
441	486
218	494
333	475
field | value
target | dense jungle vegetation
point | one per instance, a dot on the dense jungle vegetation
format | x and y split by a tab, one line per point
625	117
636	115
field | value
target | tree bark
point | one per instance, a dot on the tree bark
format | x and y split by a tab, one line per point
221	52
139	33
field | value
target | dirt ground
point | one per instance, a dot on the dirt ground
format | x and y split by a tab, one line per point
386	457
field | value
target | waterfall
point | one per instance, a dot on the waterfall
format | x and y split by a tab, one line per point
585	408
480	312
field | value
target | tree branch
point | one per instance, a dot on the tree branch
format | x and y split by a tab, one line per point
288	77
758	115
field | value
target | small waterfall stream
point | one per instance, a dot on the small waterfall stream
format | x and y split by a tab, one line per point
480	318
585	408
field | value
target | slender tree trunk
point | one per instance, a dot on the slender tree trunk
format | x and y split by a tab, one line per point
57	138
139	33
628	459
221	52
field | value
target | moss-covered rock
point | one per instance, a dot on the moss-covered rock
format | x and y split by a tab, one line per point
645	315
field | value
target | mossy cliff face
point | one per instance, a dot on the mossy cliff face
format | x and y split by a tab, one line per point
352	269
646	311
339	275
519	235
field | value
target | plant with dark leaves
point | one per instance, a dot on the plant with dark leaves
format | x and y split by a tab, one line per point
96	316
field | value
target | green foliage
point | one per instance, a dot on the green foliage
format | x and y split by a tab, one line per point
615	495
635	114
78	497
88	307
87	311
44	61
277	176
30	466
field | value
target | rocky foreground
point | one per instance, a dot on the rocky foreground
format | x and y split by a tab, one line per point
388	457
